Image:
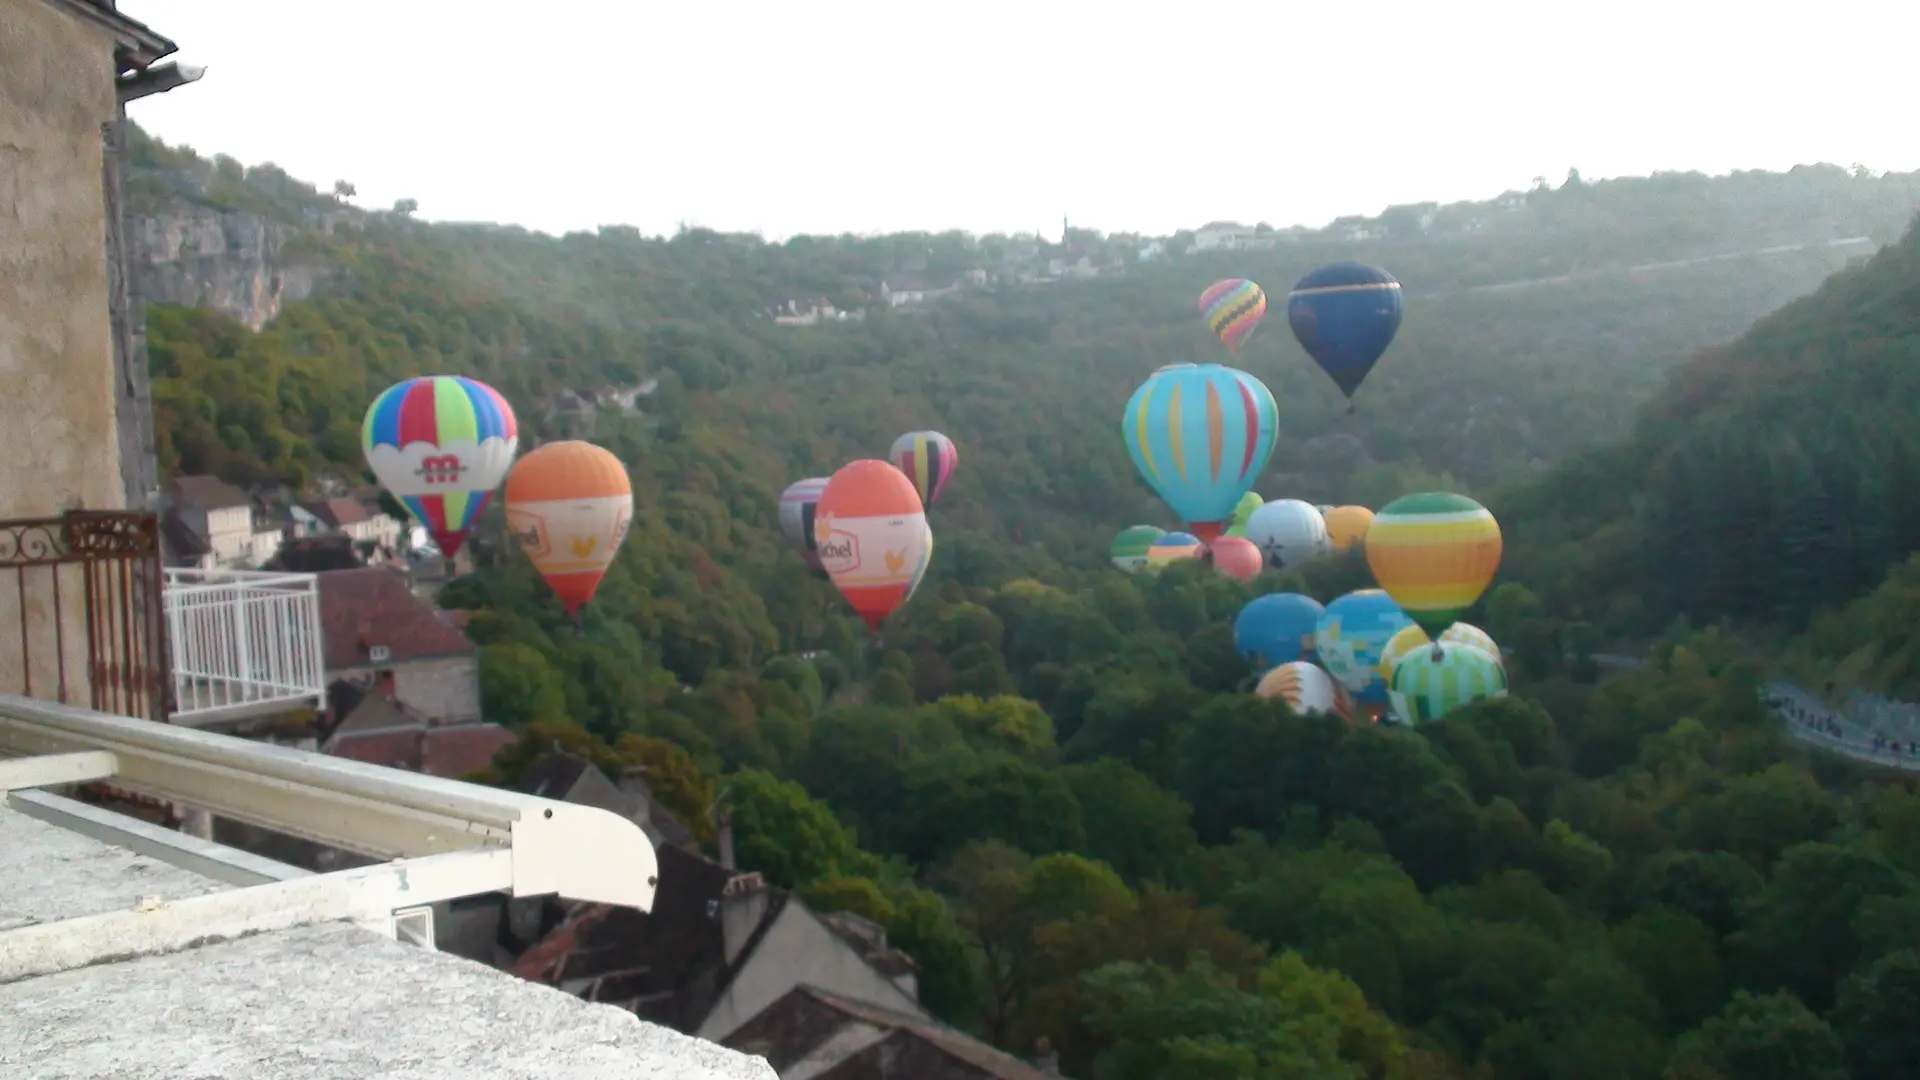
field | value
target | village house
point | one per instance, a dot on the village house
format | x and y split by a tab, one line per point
372	727
1222	236
380	637
211	520
730	958
352	518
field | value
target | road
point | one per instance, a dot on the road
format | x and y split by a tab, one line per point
1806	719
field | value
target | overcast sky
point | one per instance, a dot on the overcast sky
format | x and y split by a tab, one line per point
1001	115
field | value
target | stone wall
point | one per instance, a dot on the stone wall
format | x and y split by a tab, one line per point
444	691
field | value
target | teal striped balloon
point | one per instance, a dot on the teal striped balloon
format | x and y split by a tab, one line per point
1434	680
1200	435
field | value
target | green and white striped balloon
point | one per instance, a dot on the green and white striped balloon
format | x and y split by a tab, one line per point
1433	681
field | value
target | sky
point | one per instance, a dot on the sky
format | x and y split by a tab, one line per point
1148	116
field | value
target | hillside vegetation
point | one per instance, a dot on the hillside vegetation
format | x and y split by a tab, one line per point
1046	777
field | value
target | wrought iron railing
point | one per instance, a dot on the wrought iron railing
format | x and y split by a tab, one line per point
80	611
243	642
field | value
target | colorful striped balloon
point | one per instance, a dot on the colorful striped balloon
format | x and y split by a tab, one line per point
928	458
1237	524
796	517
1130	548
1306	689
1413	639
1233	309
1435	681
1201	434
568	507
1434	553
440	444
1174	547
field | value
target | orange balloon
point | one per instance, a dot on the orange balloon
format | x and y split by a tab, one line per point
568	507
871	532
1237	557
1347	526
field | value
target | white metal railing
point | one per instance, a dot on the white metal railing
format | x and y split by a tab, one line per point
242	642
448	839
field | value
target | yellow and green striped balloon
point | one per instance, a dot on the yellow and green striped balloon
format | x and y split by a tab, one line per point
1434	553
1432	682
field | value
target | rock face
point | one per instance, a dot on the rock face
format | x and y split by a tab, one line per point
229	261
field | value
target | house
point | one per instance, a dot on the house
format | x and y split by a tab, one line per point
574	779
903	291
821	1035
217	512
377	634
1222	235
351	517
380	731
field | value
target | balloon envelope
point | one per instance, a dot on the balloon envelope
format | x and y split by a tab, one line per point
1237	558
1288	532
1434	681
1347	526
1434	553
1277	628
1351	637
797	505
1129	550
873	538
1306	690
1345	315
1233	309
1413	639
568	507
1174	547
928	459
1200	434
440	444
1237	524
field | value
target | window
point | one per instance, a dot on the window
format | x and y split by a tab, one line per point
377	653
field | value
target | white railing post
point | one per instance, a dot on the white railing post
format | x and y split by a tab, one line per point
243	642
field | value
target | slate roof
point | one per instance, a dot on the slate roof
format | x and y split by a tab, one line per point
824	1030
207	493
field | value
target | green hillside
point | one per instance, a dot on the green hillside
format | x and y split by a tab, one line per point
1046	777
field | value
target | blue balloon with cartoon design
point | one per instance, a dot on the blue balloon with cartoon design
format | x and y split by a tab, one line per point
1352	636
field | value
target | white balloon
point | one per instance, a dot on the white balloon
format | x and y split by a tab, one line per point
1289	532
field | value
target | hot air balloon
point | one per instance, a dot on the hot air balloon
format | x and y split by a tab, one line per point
1347	526
1277	628
1351	636
568	507
1412	639
1200	434
927	458
1129	550
1237	558
1434	553
1173	547
1433	682
1233	309
796	517
873	537
1288	532
440	444
1237	524
1306	690
1345	316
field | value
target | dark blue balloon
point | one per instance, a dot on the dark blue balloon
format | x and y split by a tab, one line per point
1277	629
1345	315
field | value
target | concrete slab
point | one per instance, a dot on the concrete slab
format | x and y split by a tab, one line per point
326	1002
49	873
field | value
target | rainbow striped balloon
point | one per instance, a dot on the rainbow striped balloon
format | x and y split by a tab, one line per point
1233	309
1434	553
441	444
1174	547
928	458
1201	434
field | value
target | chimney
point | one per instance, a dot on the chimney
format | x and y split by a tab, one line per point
724	819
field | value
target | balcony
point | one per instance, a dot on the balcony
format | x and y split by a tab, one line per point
242	643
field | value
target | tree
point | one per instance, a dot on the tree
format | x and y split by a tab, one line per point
343	190
784	834
1770	1037
519	687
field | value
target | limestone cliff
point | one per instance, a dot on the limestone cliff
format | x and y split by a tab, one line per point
234	262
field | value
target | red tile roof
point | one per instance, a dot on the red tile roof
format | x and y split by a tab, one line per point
207	493
452	751
373	606
455	751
